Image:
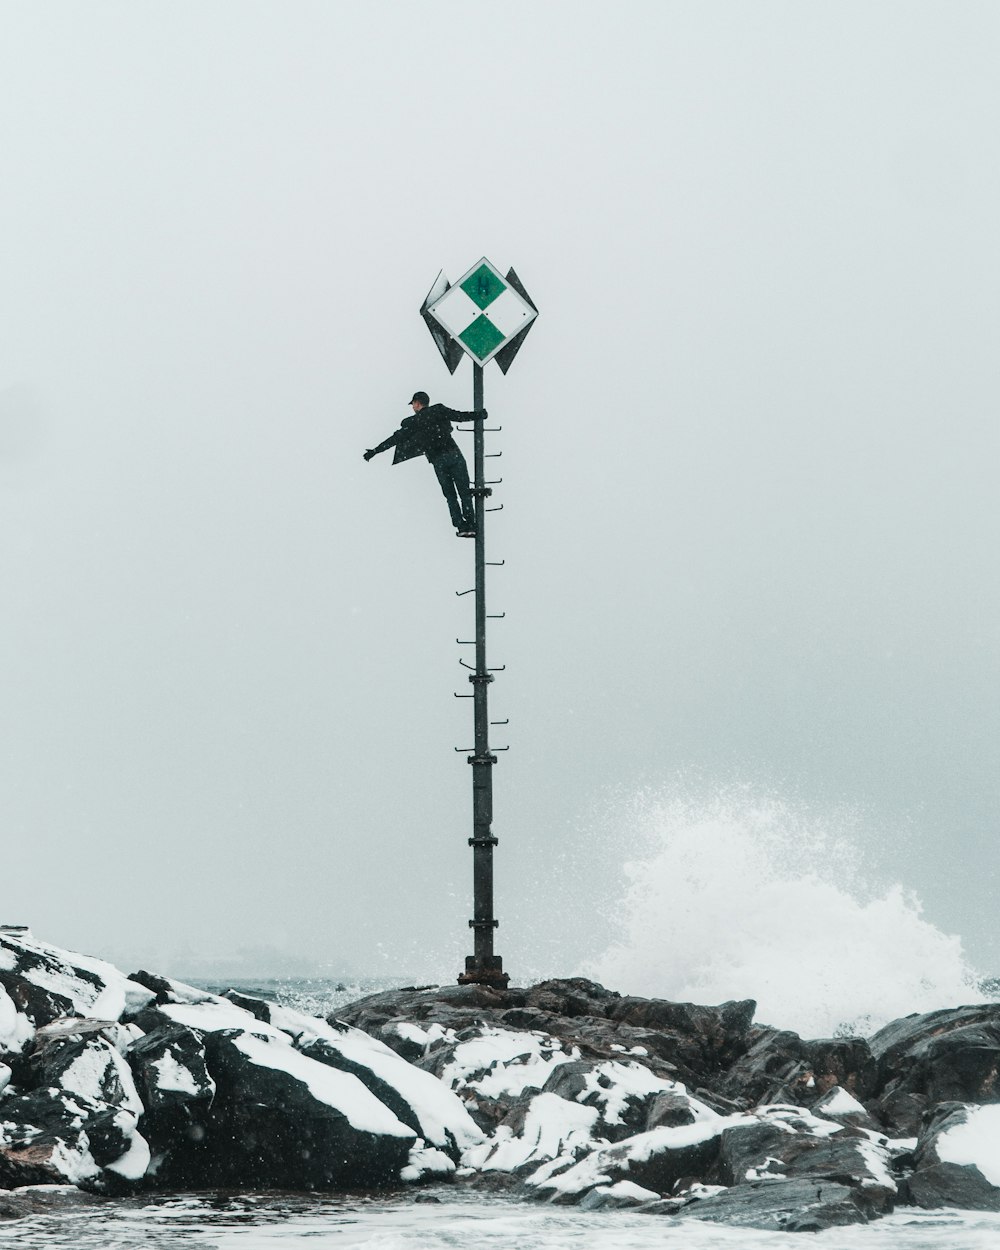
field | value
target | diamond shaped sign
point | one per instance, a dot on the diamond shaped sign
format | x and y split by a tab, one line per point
483	313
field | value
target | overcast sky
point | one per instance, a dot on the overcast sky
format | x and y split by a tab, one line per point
750	456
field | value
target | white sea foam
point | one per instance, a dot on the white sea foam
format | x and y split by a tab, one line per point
743	898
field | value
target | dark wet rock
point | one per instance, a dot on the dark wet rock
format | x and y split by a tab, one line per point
844	1061
700	1039
901	1112
951	1185
774	1068
571	998
946	1056
259	1008
44	1199
794	1205
668	1110
13	1208
781	1067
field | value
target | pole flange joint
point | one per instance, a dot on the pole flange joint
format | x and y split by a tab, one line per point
486	678
484	924
488	972
481	492
487	841
481	759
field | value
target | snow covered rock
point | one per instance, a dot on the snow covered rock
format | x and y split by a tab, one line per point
228	1092
177	1092
656	1161
51	1136
957	1159
46	983
414	1096
282	1119
940	1056
79	1122
786	1142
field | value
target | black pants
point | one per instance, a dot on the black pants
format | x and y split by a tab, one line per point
453	475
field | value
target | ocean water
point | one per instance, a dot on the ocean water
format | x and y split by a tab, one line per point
457	1221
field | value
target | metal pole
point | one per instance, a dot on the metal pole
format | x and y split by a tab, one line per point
483	966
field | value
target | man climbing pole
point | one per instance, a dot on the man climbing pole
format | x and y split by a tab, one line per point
428	433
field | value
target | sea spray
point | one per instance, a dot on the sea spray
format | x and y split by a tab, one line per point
741	897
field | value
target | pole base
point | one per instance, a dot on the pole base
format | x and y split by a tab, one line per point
491	973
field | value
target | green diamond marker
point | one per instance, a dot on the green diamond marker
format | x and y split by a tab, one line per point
481	337
482	314
483	286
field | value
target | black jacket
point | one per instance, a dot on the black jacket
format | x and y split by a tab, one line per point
427	433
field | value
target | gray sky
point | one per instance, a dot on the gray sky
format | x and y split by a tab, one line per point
750	455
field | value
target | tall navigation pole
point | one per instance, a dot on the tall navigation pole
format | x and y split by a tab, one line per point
485	316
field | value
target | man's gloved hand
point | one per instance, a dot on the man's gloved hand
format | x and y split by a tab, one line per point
481	414
369	454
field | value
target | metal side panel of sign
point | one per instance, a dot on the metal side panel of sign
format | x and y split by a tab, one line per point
451	352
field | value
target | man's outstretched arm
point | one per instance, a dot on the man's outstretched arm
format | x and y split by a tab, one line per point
391	441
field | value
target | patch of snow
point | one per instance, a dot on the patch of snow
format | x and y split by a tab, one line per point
839	1102
132	1165
769	1170
411	1032
214	1014
8	960
44	1189
425	1161
977	1141
172	1075
5	1075
698	1190
76	1165
614	1085
552	1127
85	1075
16	1030
586	1174
136	996
337	1089
629	1189
876	1159
794	1119
121	1036
504	1061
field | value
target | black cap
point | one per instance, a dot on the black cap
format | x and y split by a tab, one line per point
420	397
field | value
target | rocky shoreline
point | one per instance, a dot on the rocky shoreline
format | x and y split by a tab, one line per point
564	1092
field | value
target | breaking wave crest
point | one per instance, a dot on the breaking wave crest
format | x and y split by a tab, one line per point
739	898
